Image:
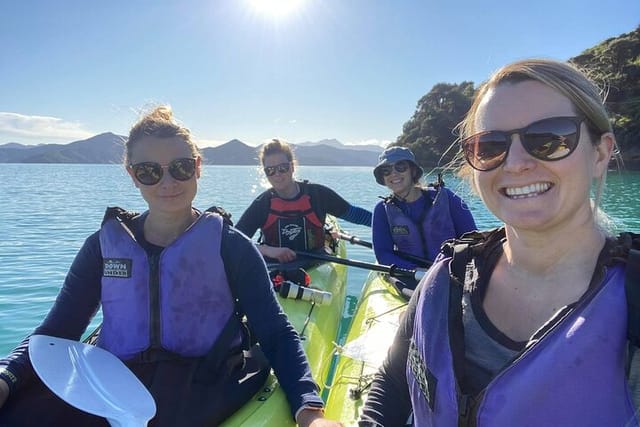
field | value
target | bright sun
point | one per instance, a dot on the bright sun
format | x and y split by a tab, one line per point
275	8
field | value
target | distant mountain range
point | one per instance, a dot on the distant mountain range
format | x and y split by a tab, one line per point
108	148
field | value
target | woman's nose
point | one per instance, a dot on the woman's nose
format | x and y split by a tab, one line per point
517	157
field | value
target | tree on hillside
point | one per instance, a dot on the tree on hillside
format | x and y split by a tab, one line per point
429	132
615	65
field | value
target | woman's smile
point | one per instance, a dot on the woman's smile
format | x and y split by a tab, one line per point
527	191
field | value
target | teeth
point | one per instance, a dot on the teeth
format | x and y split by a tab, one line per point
527	191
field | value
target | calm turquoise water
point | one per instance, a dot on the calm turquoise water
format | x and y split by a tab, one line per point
46	212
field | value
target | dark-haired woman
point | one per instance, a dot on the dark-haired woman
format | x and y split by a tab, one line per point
410	224
291	213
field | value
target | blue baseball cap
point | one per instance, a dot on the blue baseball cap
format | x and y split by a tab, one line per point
393	155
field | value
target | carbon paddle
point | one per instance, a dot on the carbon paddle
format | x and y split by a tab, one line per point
391	270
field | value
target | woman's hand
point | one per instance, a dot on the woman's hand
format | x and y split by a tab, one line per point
315	418
281	254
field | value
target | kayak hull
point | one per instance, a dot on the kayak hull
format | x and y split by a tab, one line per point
373	327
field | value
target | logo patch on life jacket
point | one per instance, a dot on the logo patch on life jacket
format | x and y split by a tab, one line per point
400	229
116	267
423	376
291	231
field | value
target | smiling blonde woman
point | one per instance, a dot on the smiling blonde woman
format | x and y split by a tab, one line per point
525	324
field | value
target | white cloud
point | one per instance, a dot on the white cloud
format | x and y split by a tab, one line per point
41	128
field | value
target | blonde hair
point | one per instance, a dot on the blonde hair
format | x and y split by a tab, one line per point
159	123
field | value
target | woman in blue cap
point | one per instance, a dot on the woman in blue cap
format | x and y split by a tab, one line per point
413	221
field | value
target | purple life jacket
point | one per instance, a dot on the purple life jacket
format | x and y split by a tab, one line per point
423	239
188	285
573	376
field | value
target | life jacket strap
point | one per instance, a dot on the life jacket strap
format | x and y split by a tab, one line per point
632	289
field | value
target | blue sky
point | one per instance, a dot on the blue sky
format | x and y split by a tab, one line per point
346	69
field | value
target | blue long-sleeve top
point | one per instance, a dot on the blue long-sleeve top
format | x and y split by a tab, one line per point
79	300
383	245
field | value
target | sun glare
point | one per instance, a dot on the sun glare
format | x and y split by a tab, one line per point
275	9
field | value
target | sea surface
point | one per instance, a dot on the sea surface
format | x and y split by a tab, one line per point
47	210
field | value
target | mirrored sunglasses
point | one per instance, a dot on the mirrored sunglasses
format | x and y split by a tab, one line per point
400	167
550	139
150	173
281	168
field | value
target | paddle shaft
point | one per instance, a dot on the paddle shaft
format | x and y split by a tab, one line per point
355	240
391	270
422	262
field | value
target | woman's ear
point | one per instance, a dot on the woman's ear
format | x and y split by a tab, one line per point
198	166
415	175
604	151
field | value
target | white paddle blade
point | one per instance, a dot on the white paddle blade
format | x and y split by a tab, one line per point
92	380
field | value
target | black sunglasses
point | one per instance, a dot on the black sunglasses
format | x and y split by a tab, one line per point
150	173
399	167
281	168
548	139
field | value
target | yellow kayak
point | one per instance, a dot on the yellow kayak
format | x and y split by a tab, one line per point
372	330
318	326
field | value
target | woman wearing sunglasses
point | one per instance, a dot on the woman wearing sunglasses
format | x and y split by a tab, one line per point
173	284
291	213
524	324
413	221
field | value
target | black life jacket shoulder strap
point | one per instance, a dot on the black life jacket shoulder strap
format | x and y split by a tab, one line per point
119	213
226	216
462	249
439	183
632	286
462	252
461	257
